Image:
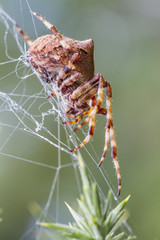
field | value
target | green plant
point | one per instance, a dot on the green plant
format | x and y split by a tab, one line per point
97	221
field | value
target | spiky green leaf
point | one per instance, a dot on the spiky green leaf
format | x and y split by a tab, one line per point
79	220
109	236
96	221
118	237
130	238
66	230
107	205
96	200
114	216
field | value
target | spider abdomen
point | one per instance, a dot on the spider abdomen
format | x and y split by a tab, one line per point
66	64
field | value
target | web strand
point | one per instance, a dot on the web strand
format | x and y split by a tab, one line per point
32	113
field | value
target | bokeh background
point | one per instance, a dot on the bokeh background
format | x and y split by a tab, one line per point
127	52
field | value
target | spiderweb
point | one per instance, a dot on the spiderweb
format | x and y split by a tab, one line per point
26	111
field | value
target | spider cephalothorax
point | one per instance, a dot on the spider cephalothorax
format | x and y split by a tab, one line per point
68	65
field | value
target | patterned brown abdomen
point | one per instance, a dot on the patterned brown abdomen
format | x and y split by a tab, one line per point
44	56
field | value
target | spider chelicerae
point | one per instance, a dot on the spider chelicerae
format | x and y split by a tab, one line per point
68	65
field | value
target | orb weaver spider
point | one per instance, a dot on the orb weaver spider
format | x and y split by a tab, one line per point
68	65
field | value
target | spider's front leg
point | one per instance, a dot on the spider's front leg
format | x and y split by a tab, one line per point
65	45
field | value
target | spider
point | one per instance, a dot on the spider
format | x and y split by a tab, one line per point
68	65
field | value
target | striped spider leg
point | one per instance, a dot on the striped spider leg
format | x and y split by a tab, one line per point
95	109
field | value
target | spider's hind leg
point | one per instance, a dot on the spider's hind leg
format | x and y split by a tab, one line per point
110	134
108	121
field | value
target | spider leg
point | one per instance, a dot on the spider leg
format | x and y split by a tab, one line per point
84	122
74	115
78	119
70	80
110	134
91	117
85	113
85	96
108	122
102	111
81	90
63	73
70	63
51	95
24	35
48	25
90	134
53	29
64	83
114	156
72	121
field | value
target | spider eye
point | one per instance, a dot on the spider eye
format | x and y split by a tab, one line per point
82	50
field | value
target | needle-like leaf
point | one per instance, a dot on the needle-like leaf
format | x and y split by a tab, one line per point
96	220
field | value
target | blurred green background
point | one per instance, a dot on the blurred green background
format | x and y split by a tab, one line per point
127	51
